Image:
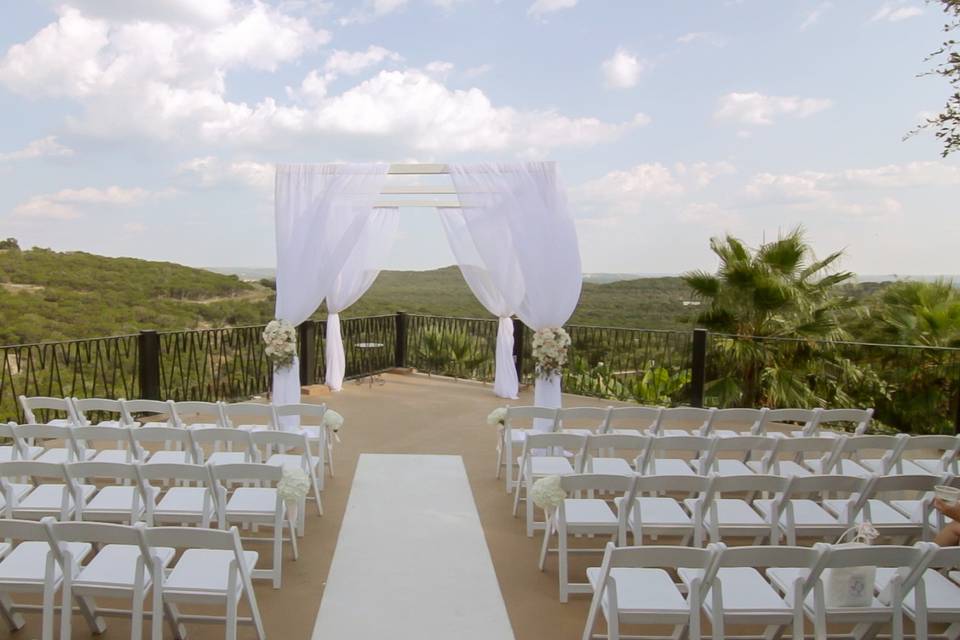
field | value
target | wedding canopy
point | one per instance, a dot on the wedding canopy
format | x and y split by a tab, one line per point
509	228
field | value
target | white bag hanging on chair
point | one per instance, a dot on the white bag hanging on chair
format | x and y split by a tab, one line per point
851	586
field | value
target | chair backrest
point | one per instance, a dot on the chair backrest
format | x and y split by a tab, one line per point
598	482
805	418
32	468
31	404
221	434
826	449
197	411
666	557
640	418
593	418
86	436
889	448
694	419
673	484
196	538
95	532
944	558
523	414
746	444
302	409
23	530
152	408
246	471
880	485
748	484
747	420
860	418
820	485
27	433
947	448
292	439
80	471
571	441
238	413
172	471
617	442
767	556
83	406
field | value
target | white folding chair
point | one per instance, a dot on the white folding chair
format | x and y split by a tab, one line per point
62	406
214	569
800	509
196	414
935	599
102	406
256	505
867	619
120	569
659	460
17	449
124	503
586	516
554	463
33	567
604	453
276	445
854	449
873	506
635	421
656	514
149	413
57	499
29	434
840	419
744	447
249	416
92	438
178	446
511	435
239	445
195	502
633	586
739	422
792	455
790	419
583	420
739	594
916	456
722	516
317	434
684	421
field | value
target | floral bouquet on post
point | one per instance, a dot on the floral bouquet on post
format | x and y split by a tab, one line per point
550	350
280	340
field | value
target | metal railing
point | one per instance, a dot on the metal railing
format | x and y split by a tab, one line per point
912	388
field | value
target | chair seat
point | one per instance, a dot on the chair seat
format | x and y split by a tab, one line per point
914	511
629	432
589	512
182	501
47	499
644	591
112	455
202	425
728	433
910	467
227	457
579	432
252	500
844	467
725	468
115	567
806	513
314	431
548	466
784	579
62	455
677	432
19	490
929	465
252	427
786	468
113	499
670	467
731	512
288	459
204	572
744	590
168	457
658	511
881	513
28	560
611	466
943	595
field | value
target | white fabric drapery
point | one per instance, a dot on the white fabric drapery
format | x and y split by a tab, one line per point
321	212
525	244
355	277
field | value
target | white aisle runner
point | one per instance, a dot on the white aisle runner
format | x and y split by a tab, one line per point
411	560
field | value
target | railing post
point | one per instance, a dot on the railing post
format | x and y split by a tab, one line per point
148	356
518	337
698	379
400	348
307	352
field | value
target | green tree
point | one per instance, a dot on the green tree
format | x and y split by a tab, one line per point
946	124
9	243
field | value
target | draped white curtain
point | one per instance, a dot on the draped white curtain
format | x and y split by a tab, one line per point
524	244
355	277
321	213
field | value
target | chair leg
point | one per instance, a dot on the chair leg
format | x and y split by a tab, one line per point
530	512
49	593
231	621
546	544
563	569
613	626
499	455
516	493
278	528
13	619
316	493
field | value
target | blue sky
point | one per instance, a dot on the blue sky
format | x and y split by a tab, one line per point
148	128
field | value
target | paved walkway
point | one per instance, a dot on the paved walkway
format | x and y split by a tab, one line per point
411	559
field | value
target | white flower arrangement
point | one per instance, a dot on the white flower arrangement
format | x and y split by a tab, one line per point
547	493
550	350
332	420
293	485
280	340
497	417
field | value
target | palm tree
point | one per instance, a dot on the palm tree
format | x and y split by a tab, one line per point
780	290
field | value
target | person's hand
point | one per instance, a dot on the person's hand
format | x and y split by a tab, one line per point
950	510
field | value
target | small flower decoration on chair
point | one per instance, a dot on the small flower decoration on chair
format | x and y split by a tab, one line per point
498	417
547	493
550	350
333	421
293	488
280	343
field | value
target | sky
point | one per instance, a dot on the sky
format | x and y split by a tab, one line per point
149	128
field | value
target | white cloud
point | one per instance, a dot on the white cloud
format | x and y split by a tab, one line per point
172	11
134	227
622	70
372	10
705	37
704	173
351	63
895	12
210	171
813	17
755	108
439	69
68	204
479	70
542	7
47	147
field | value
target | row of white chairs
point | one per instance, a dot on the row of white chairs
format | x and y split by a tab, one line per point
246	416
177	446
766	509
199	495
676	421
85	561
778	588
